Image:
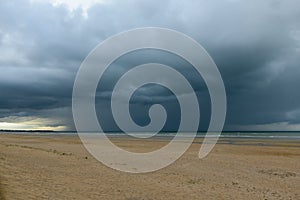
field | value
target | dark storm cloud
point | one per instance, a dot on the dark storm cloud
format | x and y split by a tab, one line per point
255	44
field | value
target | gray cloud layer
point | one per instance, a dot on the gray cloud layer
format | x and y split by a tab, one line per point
255	44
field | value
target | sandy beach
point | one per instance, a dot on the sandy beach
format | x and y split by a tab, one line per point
59	167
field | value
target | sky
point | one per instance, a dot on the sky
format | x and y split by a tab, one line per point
255	44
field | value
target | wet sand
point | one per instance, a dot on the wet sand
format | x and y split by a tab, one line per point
59	167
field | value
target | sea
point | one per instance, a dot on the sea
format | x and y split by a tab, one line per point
225	134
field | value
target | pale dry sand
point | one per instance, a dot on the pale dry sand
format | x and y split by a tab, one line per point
58	167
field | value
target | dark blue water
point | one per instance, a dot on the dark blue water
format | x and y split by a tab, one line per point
275	135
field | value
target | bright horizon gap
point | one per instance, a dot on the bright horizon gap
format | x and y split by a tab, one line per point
28	127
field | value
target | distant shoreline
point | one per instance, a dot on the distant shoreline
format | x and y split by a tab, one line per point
27	131
52	131
291	135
